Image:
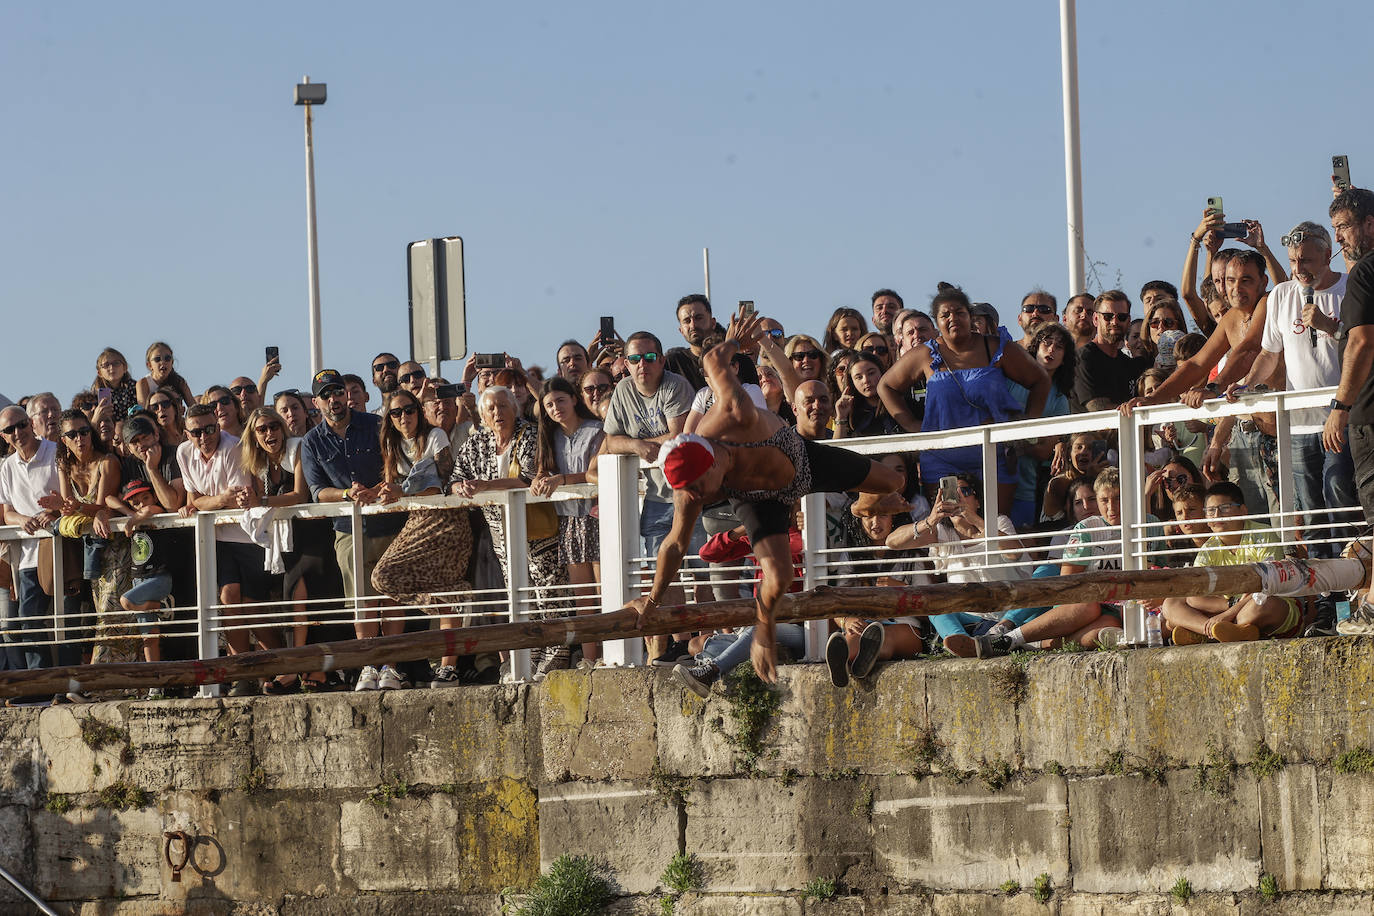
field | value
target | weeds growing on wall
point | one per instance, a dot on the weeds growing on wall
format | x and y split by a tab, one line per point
573	886
752	705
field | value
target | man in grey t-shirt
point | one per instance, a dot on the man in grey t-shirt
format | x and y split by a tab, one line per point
646	409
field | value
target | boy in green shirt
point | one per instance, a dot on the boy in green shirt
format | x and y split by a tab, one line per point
1234	542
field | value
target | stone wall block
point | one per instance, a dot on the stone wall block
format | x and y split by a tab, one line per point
755	835
473	734
1291	832
1129	834
87	853
626	825
597	725
939	833
326	741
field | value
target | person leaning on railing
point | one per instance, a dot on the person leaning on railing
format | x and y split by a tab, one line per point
966	385
504	455
431	554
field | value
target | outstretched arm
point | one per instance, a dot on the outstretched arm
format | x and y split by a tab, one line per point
732	403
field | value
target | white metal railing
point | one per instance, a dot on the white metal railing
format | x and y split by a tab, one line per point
624	573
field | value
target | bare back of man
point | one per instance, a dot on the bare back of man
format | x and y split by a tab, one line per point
762	466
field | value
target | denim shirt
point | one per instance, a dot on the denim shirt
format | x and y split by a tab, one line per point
331	461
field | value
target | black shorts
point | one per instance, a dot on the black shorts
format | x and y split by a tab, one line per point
1362	453
241	564
833	470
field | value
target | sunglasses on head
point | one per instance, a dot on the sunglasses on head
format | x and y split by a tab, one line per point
636	357
9	430
202	431
225	401
75	434
596	389
800	355
417	375
237	390
392	364
396	413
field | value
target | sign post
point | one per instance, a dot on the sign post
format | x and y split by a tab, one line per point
438	305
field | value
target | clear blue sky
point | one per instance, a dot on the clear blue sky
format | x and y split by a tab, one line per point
155	171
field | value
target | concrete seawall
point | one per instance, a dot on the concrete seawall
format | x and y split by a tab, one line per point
1106	776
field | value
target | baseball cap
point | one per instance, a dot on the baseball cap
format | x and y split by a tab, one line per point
325	379
137	425
135	487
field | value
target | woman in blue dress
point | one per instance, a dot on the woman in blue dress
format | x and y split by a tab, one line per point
966	377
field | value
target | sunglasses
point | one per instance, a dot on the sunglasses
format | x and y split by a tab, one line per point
9	430
160	359
1037	310
331	393
161	405
1214	511
1163	323
636	357
967	491
225	401
775	333
596	389
237	390
202	431
1116	316
386	364
875	350
75	434
265	428
396	413
417	375
1177	480
801	355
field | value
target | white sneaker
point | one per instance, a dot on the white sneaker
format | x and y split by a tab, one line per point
391	679
367	679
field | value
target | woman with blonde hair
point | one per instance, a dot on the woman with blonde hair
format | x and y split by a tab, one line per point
808	358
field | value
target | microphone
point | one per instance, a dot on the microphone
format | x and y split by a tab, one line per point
1311	329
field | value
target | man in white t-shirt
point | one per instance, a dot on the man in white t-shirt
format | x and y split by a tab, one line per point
28	480
1301	322
215	479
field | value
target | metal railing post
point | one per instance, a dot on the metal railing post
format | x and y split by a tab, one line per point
59	599
517	571
360	564
207	595
618	506
1132	471
991	509
813	542
1283	431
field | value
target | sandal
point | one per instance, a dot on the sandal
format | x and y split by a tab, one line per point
276	688
312	685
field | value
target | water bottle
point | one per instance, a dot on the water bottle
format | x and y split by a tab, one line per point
1154	634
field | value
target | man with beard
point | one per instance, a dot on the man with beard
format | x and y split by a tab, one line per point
1106	376
886	305
1038	309
1299	350
1352	409
385	367
696	324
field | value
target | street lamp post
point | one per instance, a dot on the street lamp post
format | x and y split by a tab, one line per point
310	94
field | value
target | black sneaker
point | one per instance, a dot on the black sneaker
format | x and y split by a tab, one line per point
870	644
1324	623
991	646
446	676
837	659
698	678
675	653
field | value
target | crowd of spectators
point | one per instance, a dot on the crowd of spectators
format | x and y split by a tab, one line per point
137	447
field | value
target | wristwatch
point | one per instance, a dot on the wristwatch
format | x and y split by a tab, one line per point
1337	405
